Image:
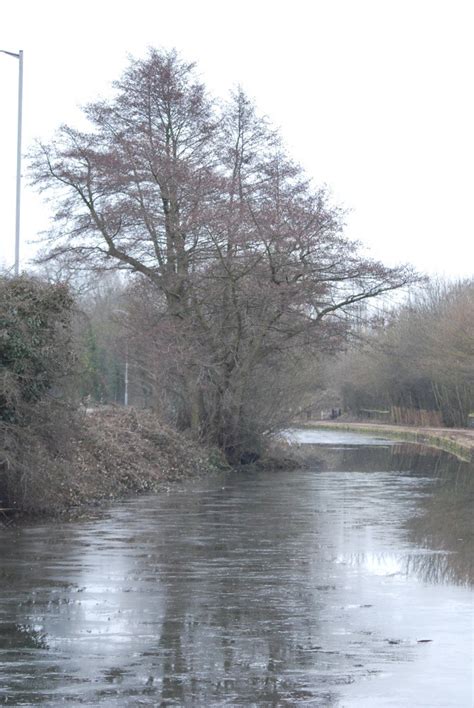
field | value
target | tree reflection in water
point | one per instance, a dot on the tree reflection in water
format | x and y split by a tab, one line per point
21	637
443	520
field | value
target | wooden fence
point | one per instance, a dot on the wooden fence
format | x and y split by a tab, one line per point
415	416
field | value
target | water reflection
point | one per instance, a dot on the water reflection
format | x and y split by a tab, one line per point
440	502
444	522
275	589
20	637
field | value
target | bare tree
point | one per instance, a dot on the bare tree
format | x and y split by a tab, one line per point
247	259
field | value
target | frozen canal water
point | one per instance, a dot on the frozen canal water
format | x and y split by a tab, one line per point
346	584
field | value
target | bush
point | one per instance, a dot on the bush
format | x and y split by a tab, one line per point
36	361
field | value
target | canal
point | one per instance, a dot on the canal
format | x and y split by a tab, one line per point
346	583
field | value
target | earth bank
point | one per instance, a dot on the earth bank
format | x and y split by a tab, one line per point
110	452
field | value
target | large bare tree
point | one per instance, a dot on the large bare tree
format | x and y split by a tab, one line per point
246	261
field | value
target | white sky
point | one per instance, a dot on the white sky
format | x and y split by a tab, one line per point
374	97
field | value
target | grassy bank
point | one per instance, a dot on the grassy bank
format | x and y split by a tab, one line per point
457	441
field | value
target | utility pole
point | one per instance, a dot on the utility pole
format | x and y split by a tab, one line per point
18	56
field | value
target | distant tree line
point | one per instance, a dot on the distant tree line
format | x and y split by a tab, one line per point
422	358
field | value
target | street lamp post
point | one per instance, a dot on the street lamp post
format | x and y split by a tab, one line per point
125	397
18	56
125	392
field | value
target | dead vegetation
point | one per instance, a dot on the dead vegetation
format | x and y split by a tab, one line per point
111	452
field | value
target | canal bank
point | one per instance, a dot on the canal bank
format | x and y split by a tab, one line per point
457	441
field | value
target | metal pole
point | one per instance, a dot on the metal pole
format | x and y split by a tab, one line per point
125	398
18	56
125	378
18	163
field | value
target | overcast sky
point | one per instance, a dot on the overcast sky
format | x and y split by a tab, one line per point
374	97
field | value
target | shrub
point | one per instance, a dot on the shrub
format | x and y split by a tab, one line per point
36	360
